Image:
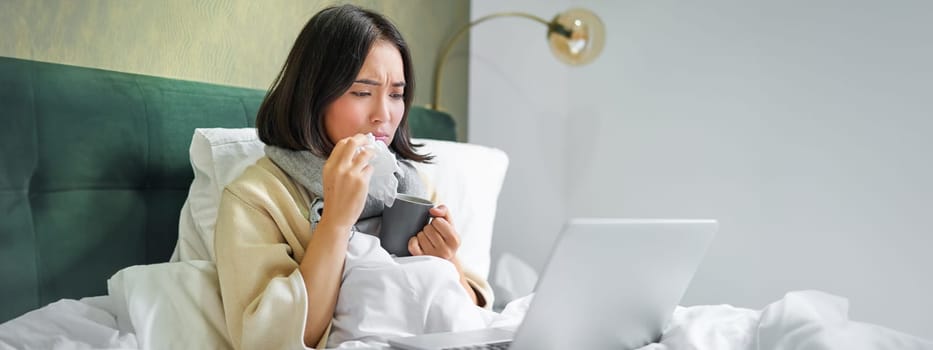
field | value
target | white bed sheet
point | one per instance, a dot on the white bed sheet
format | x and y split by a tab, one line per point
88	323
177	305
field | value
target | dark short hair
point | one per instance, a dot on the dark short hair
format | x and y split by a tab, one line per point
322	65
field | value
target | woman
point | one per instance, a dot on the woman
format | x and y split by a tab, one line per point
281	257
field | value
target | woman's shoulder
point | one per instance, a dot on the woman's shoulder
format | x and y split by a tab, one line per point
263	181
261	173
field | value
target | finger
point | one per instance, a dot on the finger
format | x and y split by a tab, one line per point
441	211
367	173
360	138
356	145
346	148
431	233
445	231
424	242
413	247
362	159
341	149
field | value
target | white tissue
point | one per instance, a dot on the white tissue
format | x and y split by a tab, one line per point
383	185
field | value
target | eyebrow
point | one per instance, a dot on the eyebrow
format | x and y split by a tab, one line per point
376	83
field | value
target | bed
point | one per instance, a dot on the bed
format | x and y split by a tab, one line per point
106	189
95	170
104	171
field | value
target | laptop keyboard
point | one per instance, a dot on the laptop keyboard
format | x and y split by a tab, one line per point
491	346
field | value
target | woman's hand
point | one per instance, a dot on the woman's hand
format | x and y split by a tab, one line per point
437	238
346	177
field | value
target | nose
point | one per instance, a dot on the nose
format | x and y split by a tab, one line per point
380	113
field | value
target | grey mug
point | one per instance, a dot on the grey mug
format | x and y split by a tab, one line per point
404	219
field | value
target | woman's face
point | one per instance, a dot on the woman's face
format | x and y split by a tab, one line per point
375	102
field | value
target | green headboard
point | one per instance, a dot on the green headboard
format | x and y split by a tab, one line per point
94	170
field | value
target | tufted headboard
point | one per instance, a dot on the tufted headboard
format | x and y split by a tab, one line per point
94	170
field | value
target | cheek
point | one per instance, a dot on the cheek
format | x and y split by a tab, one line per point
346	108
397	112
340	119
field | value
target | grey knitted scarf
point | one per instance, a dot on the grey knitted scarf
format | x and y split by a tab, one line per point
306	169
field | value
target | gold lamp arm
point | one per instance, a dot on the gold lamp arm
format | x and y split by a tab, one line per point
439	66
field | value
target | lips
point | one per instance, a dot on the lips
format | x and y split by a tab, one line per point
381	137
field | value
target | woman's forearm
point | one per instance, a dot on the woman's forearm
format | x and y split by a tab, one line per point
469	290
322	269
466	285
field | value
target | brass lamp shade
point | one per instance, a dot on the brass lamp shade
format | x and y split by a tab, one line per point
576	37
581	38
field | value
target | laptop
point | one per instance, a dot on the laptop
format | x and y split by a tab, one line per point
608	284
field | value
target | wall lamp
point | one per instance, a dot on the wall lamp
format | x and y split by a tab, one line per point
576	37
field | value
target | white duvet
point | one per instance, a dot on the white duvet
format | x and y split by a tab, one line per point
177	306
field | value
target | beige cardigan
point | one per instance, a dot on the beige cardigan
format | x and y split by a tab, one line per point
260	238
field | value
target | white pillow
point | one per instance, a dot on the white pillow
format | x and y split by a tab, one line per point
467	179
218	156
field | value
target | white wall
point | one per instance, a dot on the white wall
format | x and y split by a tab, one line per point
518	103
804	127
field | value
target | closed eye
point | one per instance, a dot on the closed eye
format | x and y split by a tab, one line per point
361	93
